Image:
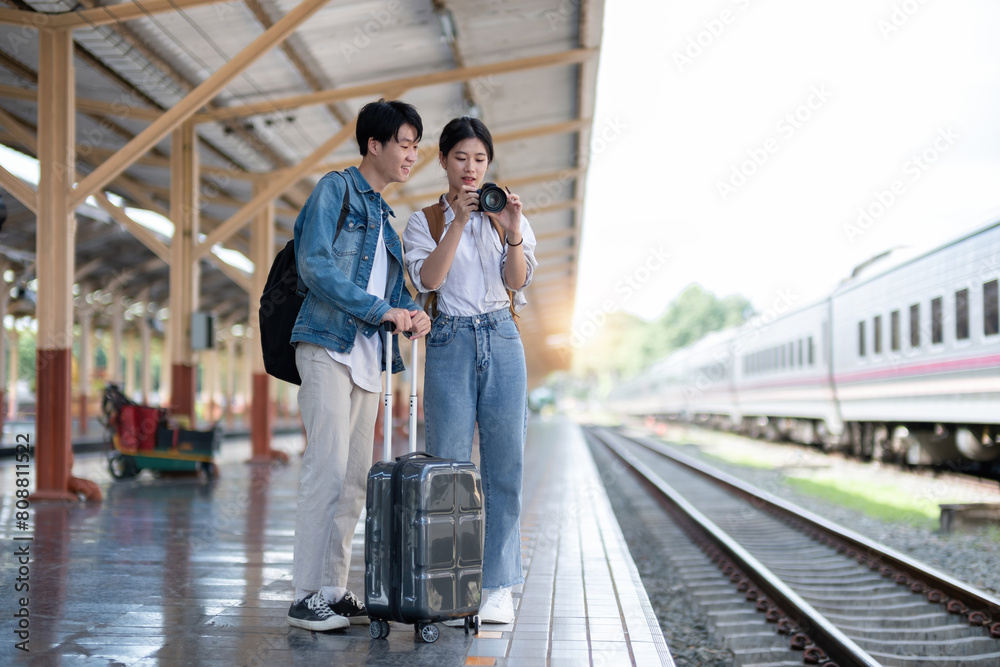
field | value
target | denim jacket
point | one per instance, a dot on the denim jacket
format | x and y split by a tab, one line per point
338	306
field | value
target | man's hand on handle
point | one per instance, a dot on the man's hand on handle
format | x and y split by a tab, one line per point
415	321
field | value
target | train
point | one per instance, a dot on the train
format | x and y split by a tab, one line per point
900	363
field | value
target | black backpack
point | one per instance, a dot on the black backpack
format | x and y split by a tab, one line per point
280	303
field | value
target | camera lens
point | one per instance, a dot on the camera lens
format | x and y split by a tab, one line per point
492	199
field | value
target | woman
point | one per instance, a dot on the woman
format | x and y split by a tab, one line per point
475	370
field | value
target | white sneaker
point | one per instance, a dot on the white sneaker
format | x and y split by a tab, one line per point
499	607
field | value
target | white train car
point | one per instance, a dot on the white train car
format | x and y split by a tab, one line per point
916	355
657	391
782	377
708	391
901	365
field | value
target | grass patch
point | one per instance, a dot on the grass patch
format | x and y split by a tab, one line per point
885	502
739	459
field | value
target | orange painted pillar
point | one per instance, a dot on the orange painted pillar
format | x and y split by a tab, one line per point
182	389
261	419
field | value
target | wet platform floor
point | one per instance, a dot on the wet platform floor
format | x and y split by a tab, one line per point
180	571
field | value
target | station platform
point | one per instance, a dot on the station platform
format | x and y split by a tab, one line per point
181	571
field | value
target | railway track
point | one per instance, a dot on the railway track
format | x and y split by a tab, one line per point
833	596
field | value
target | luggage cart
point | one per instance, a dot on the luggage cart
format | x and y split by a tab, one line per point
141	438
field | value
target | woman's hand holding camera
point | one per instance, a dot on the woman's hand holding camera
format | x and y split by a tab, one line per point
510	219
464	204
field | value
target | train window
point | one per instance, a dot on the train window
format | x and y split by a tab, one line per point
894	329
800	352
915	325
783	354
861	338
877	330
937	320
962	314
991	308
810	350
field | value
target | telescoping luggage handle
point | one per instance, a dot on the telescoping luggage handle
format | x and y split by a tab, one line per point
389	328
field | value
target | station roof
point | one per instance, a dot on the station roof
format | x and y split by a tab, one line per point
527	68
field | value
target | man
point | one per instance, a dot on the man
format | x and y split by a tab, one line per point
355	281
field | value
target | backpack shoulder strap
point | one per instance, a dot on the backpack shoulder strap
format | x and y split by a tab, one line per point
435	221
499	230
345	207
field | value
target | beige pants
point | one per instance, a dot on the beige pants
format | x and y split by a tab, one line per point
339	419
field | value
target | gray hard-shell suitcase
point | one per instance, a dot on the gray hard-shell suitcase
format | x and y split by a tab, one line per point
424	530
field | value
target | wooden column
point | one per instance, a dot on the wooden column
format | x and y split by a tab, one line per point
147	355
4	301
85	362
15	357
54	243
231	376
184	271
129	384
115	353
262	254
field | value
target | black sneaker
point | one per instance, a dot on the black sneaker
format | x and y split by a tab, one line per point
313	613
351	608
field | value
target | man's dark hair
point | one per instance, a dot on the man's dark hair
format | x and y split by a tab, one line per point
460	129
381	121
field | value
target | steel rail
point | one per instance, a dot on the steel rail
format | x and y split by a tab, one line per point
836	645
980	607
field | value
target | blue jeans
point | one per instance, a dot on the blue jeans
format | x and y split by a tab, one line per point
475	372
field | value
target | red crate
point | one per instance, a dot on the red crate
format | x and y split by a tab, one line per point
137	427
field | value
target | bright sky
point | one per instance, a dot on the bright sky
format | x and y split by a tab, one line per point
740	138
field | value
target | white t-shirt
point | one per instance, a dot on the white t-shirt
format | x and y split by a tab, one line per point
364	359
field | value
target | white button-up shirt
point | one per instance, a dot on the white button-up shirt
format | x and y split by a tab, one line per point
476	282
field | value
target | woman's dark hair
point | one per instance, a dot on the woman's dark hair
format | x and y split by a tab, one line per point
382	120
460	129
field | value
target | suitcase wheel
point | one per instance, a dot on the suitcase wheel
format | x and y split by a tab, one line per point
429	633
378	629
472	622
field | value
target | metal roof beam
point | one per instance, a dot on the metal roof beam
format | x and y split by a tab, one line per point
570	57
194	100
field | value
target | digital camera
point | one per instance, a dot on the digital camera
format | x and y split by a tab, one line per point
492	198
